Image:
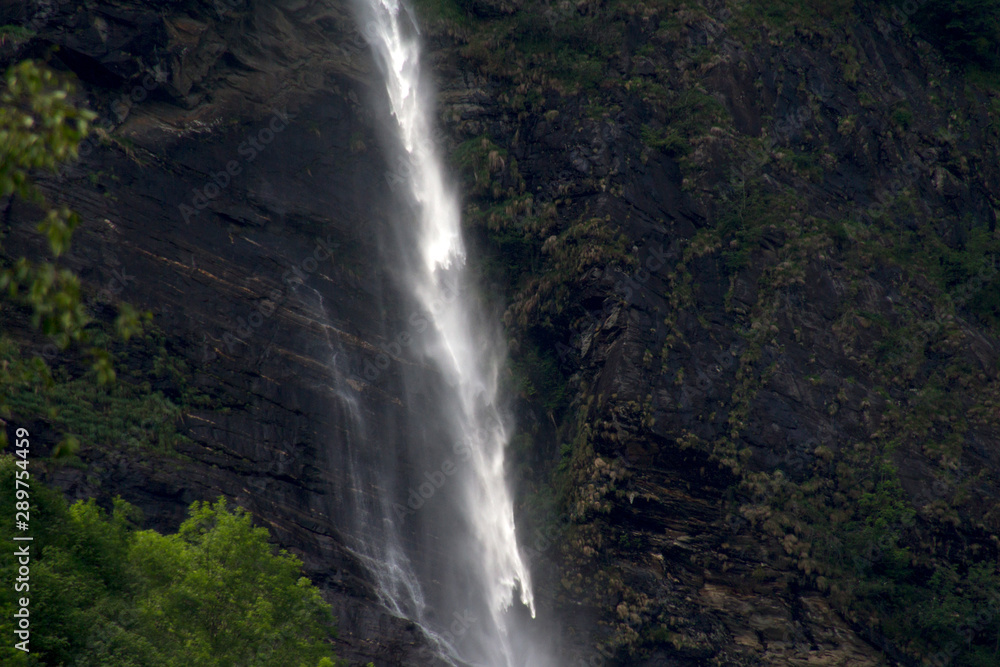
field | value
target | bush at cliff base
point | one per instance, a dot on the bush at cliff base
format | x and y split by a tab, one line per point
105	594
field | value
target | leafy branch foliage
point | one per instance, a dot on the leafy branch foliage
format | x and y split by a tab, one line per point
40	129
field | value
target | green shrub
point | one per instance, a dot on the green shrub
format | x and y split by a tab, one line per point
83	408
103	594
669	141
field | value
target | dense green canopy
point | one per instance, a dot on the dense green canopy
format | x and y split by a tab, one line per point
104	594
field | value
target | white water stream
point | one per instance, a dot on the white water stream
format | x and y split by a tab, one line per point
469	354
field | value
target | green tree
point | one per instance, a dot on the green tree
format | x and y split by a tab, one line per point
215	594
103	594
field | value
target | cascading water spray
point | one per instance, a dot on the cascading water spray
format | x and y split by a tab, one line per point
487	571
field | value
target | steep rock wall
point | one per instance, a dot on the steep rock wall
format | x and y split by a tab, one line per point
748	181
756	322
234	189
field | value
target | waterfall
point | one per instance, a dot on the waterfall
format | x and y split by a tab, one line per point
448	559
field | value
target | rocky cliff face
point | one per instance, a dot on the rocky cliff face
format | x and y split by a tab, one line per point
745	263
232	190
736	242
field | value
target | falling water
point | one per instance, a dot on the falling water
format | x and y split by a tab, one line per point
471	526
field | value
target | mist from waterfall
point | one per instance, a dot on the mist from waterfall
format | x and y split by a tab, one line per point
452	566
